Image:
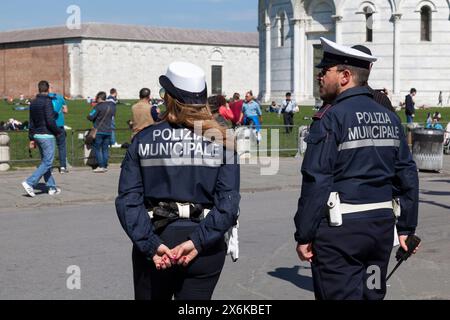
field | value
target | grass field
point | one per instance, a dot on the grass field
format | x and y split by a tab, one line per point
79	109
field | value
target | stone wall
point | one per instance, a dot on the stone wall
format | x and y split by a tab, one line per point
22	66
98	65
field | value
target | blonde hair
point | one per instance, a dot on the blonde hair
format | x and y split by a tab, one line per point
188	115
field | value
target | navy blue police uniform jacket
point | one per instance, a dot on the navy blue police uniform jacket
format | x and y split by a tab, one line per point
170	163
357	148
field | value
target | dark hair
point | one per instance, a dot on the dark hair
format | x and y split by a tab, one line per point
221	101
437	115
360	75
144	93
43	86
413	90
213	104
236	96
288	94
113	91
100	96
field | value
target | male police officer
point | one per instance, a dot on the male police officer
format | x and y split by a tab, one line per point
358	160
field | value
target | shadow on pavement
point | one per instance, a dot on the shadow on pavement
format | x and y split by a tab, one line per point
434	203
436	193
443	181
41	189
292	275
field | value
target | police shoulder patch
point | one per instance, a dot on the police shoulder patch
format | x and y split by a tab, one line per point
319	115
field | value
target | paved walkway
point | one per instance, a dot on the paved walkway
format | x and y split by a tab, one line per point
83	186
45	235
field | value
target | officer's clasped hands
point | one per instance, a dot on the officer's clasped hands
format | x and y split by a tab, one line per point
161	258
185	253
182	255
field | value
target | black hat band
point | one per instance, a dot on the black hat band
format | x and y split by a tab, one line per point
330	59
186	97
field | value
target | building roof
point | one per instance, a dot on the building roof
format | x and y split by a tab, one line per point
133	33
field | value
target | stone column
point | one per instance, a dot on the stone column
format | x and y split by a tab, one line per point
298	53
299	59
302	59
338	28
83	71
397	25
268	92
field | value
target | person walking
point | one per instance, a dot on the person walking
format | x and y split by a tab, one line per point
221	110
179	194
102	116
113	98
142	113
252	114
410	110
236	107
60	107
287	109
42	132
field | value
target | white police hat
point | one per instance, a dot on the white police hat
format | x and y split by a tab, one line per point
185	82
335	54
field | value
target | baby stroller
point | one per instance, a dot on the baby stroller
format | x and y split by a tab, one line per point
447	139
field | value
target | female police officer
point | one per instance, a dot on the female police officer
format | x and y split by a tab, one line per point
179	189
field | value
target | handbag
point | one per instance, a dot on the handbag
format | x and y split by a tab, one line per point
92	134
90	137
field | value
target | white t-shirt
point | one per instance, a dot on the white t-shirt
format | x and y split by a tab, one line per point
288	106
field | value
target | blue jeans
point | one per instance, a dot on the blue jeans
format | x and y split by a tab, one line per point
113	138
101	147
113	134
254	122
61	143
409	119
47	151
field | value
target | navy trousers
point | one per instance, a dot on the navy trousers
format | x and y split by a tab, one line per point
196	282
348	258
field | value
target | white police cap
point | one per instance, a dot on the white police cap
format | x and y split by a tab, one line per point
335	54
185	82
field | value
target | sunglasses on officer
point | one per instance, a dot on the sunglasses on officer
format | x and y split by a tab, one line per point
325	70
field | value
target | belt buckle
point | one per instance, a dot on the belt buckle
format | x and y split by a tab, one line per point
184	210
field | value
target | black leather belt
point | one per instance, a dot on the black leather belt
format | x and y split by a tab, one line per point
167	212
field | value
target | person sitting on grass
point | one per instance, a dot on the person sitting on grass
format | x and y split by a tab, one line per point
435	125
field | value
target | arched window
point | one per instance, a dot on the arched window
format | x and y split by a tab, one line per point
425	23
368	12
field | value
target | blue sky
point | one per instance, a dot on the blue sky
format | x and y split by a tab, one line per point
231	15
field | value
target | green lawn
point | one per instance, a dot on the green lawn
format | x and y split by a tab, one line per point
76	119
79	109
